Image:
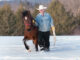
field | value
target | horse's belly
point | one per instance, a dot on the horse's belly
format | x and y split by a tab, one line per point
30	36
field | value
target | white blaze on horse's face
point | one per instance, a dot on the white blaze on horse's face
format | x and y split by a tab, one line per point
25	18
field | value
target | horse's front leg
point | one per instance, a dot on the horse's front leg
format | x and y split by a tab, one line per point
25	44
36	44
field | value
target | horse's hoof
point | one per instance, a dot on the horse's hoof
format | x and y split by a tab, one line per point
29	50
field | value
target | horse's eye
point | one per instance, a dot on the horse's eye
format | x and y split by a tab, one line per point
25	18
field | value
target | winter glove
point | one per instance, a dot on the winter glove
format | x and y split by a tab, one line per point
33	21
53	28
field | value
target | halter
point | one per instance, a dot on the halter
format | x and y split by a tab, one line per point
28	24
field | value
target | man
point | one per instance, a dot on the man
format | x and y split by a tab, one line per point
44	22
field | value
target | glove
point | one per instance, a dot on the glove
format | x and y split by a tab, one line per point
53	28
33	21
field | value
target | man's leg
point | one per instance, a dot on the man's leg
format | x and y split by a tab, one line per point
46	40
40	40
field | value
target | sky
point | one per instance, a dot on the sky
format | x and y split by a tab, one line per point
4	0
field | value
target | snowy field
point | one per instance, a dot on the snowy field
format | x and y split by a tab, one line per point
67	48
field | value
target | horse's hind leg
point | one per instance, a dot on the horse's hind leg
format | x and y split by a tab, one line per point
36	44
26	46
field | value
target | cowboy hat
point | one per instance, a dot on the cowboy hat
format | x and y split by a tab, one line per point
41	7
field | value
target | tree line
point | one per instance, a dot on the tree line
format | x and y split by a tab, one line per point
65	23
11	22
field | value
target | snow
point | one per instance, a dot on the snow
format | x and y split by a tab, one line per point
67	48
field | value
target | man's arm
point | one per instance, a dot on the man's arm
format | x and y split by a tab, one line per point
52	24
53	30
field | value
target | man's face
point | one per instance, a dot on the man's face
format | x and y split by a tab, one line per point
41	11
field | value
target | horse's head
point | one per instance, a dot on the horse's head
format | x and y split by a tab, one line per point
27	19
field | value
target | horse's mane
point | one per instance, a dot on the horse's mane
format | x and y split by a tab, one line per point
27	13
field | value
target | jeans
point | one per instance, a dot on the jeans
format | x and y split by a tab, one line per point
43	39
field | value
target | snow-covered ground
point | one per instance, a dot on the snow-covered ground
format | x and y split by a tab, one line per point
67	48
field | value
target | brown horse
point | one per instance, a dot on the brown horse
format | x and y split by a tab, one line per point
30	31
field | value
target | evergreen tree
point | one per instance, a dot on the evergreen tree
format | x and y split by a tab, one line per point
7	20
19	21
63	21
